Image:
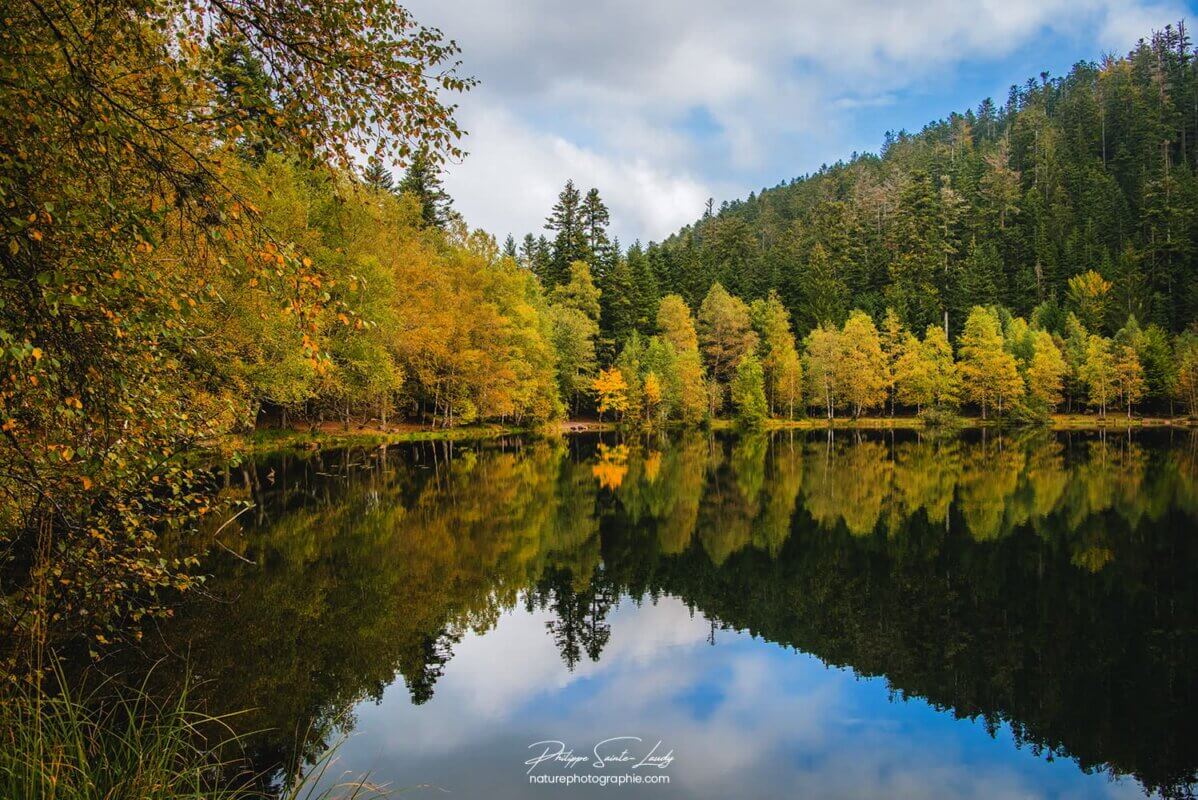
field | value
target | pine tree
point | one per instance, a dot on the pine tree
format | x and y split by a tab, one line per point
618	317
422	180
823	292
528	252
645	291
595	219
378	177
570	235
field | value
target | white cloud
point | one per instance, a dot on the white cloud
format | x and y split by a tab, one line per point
604	92
513	175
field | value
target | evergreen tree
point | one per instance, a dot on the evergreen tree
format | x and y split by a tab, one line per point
378	177
422	180
618	317
595	219
568	224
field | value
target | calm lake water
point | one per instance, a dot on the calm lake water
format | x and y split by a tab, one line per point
796	615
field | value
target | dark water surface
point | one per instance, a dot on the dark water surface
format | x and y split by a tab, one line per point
869	615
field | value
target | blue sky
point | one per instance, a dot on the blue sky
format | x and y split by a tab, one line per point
663	104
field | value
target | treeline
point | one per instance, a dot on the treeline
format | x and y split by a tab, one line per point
744	356
420	319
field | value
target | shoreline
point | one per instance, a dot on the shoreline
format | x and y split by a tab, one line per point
308	438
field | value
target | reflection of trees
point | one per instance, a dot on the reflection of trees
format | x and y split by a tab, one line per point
1060	601
670	491
579	626
365	567
988	482
1040	580
847	480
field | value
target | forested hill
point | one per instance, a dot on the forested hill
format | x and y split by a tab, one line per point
1002	204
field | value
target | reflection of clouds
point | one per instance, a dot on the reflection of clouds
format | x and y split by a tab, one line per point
746	719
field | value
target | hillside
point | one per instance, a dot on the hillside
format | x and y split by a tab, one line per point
1002	204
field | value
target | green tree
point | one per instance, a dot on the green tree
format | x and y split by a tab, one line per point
594	219
569	227
748	391
422	180
378	177
725	333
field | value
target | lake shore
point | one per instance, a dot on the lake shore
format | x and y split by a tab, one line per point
335	433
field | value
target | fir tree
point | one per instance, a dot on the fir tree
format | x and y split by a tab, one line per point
378	177
422	180
570	235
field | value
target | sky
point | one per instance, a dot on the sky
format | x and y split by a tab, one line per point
661	104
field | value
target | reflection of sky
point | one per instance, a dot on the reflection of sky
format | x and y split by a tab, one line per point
745	719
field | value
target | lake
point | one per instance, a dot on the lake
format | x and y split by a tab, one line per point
858	614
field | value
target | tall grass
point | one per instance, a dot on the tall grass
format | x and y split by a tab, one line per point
63	745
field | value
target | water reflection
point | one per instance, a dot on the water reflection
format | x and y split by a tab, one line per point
1041	584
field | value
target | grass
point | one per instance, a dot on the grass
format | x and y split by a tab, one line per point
276	439
62	745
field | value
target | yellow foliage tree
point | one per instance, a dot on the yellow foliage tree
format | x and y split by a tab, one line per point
1129	375
863	364
1046	372
1098	373
611	391
989	371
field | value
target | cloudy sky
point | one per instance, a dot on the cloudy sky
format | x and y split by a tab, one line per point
664	103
